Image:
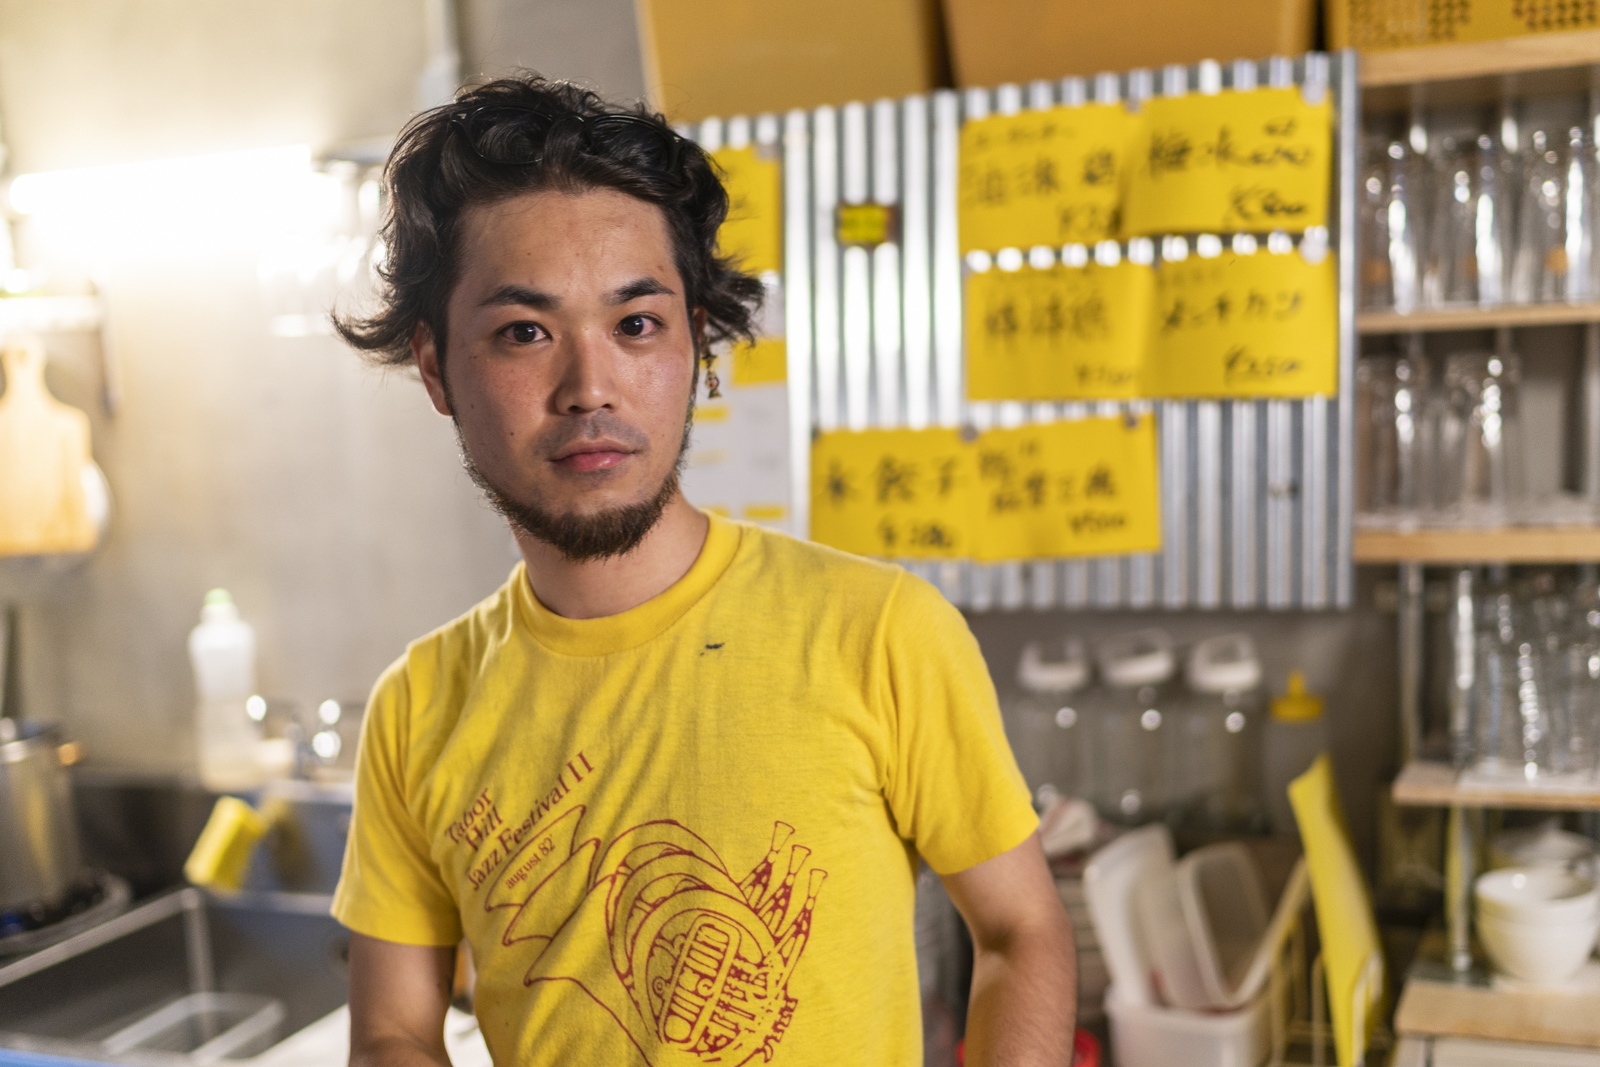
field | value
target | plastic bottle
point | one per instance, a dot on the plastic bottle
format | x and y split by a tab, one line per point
1220	750
1049	724
222	650
1133	750
1296	734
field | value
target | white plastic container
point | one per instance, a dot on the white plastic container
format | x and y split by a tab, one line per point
1219	890
1048	722
1146	1035
1219	764
1109	882
1174	965
222	650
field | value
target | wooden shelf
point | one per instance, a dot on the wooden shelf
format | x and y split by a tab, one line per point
1478	59
1444	320
1463	1009
1530	544
1427	784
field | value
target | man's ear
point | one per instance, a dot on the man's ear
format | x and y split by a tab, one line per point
426	354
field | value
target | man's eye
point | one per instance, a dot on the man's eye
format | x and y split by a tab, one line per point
635	325
523	333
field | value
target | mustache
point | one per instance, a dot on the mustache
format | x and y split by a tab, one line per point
601	424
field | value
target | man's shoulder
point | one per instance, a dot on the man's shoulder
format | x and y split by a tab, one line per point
463	639
866	591
780	557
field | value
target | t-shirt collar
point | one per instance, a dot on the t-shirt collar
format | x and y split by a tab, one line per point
631	628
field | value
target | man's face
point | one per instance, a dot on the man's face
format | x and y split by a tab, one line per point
569	365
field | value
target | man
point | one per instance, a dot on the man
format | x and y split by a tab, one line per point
672	780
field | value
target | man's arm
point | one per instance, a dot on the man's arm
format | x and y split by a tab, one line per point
398	998
1024	982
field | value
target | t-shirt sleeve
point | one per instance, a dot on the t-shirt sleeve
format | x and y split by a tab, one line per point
390	887
953	784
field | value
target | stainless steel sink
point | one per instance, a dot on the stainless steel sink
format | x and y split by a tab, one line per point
184	979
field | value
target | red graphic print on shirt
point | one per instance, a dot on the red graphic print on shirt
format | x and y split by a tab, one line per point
691	964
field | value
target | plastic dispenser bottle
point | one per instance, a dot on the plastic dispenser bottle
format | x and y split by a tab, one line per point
223	651
1134	752
1220	750
1049	723
1296	734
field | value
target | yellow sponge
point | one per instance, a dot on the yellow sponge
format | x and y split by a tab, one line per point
222	854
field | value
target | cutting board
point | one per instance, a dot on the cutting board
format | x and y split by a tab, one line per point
1349	930
44	448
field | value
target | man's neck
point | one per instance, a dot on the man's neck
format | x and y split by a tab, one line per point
597	588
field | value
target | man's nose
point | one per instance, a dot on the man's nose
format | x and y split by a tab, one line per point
588	379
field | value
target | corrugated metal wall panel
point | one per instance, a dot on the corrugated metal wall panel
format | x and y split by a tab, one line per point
1256	495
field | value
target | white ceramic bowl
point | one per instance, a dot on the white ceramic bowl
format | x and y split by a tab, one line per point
1542	846
1545	954
1537	896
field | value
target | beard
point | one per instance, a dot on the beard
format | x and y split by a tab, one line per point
585	538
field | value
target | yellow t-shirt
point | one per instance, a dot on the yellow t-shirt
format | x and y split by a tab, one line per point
686	833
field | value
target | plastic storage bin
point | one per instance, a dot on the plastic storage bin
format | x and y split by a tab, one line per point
1145	1035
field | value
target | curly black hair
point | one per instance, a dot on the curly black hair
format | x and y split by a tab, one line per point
527	134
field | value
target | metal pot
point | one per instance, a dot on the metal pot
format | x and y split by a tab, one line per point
39	857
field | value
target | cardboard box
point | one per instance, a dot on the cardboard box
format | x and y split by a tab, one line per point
1021	40
745	57
1376	27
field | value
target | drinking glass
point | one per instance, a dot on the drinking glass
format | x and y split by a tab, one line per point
1468	233
1554	257
1577	701
1393	436
1481	444
1392	187
1514	728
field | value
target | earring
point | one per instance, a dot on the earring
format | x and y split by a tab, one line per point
713	383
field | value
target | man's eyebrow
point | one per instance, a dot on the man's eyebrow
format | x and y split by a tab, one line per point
521	295
645	286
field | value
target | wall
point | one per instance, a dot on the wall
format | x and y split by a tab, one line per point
590	41
328	497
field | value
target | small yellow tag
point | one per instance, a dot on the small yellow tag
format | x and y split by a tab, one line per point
766	512
762	363
753	231
1042	177
711	413
1256	160
867	225
1261	325
1067	333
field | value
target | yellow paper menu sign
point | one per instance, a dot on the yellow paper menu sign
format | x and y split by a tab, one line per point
1261	325
762	363
1255	160
1067	333
1042	177
896	493
752	234
1083	488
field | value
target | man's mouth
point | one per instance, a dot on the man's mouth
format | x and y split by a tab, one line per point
592	456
